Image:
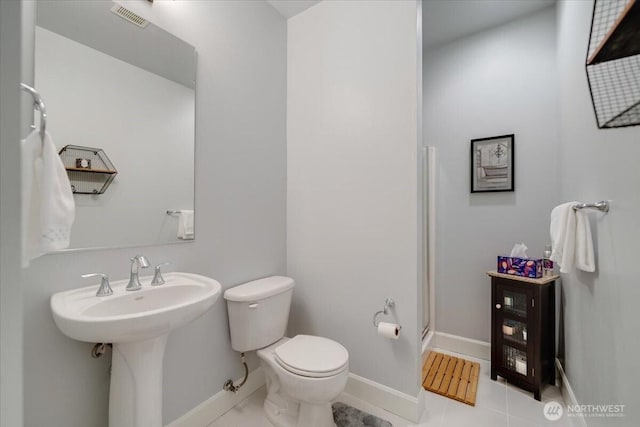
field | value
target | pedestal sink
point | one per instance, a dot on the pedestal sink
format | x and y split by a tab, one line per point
137	323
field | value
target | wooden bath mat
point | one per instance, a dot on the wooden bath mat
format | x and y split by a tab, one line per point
452	377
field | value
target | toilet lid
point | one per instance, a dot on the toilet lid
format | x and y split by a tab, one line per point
312	356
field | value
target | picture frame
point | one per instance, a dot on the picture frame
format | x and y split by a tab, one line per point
492	164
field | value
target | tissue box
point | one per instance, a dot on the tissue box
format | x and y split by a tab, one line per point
520	266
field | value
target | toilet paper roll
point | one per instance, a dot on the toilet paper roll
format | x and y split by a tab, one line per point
389	330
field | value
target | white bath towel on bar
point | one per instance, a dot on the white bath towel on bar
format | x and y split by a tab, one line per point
571	241
48	206
185	225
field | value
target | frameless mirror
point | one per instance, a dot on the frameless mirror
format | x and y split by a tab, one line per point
117	83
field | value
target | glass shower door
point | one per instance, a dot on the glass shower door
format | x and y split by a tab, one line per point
428	236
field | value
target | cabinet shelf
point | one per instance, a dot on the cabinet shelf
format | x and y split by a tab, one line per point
520	345
515	314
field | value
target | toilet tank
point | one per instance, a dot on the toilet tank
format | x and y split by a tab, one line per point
258	312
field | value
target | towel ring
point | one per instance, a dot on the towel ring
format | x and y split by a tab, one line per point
38	104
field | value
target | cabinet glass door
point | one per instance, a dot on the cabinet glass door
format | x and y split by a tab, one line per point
513	334
515	303
514	359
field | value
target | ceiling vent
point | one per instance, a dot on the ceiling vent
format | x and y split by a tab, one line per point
126	14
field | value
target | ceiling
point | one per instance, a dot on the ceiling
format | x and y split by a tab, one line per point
289	8
447	20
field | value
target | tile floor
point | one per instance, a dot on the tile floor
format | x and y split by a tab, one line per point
498	404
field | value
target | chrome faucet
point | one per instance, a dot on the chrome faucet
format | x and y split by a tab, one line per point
104	289
136	262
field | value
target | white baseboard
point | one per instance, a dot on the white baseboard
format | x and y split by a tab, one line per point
401	404
422	404
221	402
462	345
568	395
387	398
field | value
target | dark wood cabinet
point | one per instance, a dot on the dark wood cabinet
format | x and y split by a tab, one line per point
523	330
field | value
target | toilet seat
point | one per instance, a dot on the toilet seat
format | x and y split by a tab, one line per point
312	356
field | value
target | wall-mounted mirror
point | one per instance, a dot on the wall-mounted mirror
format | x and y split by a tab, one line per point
123	85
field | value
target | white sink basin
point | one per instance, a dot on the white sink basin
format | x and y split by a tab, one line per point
138	324
129	316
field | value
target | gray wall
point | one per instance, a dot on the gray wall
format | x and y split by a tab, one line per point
600	309
496	82
11	14
353	235
240	203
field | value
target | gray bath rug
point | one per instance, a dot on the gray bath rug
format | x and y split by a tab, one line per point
348	416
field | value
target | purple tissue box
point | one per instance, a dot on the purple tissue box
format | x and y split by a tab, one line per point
520	266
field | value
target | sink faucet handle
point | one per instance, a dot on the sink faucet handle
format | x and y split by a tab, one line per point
141	260
157	277
138	261
104	289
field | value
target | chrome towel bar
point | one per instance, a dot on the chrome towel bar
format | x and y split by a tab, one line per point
601	205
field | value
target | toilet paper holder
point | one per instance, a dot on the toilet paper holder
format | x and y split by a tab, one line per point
388	303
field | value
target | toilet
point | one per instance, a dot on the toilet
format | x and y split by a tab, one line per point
304	373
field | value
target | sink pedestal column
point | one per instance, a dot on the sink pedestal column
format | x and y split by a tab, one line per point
135	395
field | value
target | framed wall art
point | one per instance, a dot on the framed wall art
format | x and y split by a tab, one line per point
492	166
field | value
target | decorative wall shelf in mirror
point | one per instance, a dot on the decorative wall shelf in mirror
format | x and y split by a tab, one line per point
130	90
89	169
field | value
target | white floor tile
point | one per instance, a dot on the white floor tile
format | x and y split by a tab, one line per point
519	422
498	404
492	394
434	410
459	414
521	404
248	413
395	420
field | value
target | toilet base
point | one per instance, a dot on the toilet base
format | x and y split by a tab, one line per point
316	415
290	415
311	406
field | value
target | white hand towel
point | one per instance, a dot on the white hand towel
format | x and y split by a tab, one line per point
584	258
571	242
185	225
563	236
47	201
